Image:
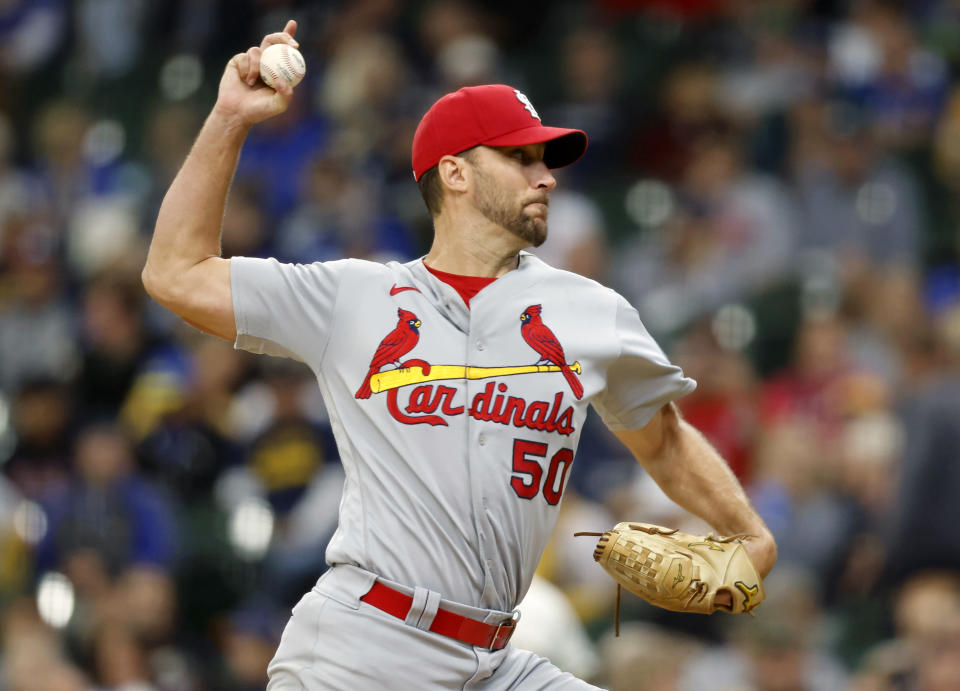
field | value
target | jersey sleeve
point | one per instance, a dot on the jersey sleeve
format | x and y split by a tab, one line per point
640	380
284	309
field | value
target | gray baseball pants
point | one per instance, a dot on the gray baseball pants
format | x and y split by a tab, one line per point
335	641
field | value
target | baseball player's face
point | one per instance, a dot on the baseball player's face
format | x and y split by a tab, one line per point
512	189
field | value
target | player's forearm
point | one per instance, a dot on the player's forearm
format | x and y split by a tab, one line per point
693	474
188	225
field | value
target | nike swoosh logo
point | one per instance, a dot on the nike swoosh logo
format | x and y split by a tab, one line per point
394	290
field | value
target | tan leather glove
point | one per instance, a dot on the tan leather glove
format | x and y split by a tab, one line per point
678	571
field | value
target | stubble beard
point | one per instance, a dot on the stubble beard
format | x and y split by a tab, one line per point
498	208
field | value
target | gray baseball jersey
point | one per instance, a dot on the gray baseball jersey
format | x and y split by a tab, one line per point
456	426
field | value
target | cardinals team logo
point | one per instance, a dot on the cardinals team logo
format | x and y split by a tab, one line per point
394	346
430	402
539	337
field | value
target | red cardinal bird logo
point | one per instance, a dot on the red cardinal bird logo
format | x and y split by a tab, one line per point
394	346
539	337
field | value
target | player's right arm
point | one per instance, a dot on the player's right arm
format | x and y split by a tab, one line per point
184	271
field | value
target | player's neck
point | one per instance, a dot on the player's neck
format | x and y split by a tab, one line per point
474	248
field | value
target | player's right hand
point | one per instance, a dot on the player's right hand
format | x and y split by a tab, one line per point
243	97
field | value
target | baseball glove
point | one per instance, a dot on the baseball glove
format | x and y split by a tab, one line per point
678	571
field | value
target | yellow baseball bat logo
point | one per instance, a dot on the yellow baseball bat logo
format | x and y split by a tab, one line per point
404	376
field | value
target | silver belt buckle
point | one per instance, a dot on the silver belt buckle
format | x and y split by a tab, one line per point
512	620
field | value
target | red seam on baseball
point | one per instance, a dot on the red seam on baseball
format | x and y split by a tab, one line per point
287	59
273	75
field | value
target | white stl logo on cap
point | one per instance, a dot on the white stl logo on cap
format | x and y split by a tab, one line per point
522	97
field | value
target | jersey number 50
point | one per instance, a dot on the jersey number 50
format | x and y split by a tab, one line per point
528	473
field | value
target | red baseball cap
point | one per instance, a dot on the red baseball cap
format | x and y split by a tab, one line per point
492	115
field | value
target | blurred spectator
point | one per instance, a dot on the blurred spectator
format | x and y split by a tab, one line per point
767	68
947	145
30	33
924	602
290	465
337	219
732	238
590	79
350	19
146	603
444	23
20	195
645	658
856	200
902	86
563	564
469	60
115	343
687	113
938	667
58	135
922	654
722	405
244	222
806	439
101	236
32	657
870	456
888	318
924	517
14	554
119	662
367	90
107	41
813	388
554	631
792	495
169	135
36	324
276	155
108	518
40	460
778	651
290	452
186	440
248	644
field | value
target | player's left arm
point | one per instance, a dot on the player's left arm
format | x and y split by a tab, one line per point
691	472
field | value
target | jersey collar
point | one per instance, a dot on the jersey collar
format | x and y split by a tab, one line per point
450	304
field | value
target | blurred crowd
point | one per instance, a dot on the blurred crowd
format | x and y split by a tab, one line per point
774	185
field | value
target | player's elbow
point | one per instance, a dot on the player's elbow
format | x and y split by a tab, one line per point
199	294
148	279
159	285
152	282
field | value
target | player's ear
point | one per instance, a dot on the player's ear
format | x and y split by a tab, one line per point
454	173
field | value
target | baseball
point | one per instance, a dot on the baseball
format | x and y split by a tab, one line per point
280	60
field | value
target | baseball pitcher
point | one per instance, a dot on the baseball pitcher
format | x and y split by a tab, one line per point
457	386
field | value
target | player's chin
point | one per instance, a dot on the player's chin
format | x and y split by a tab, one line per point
537	231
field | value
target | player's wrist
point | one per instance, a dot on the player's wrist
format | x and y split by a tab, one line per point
228	123
762	549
